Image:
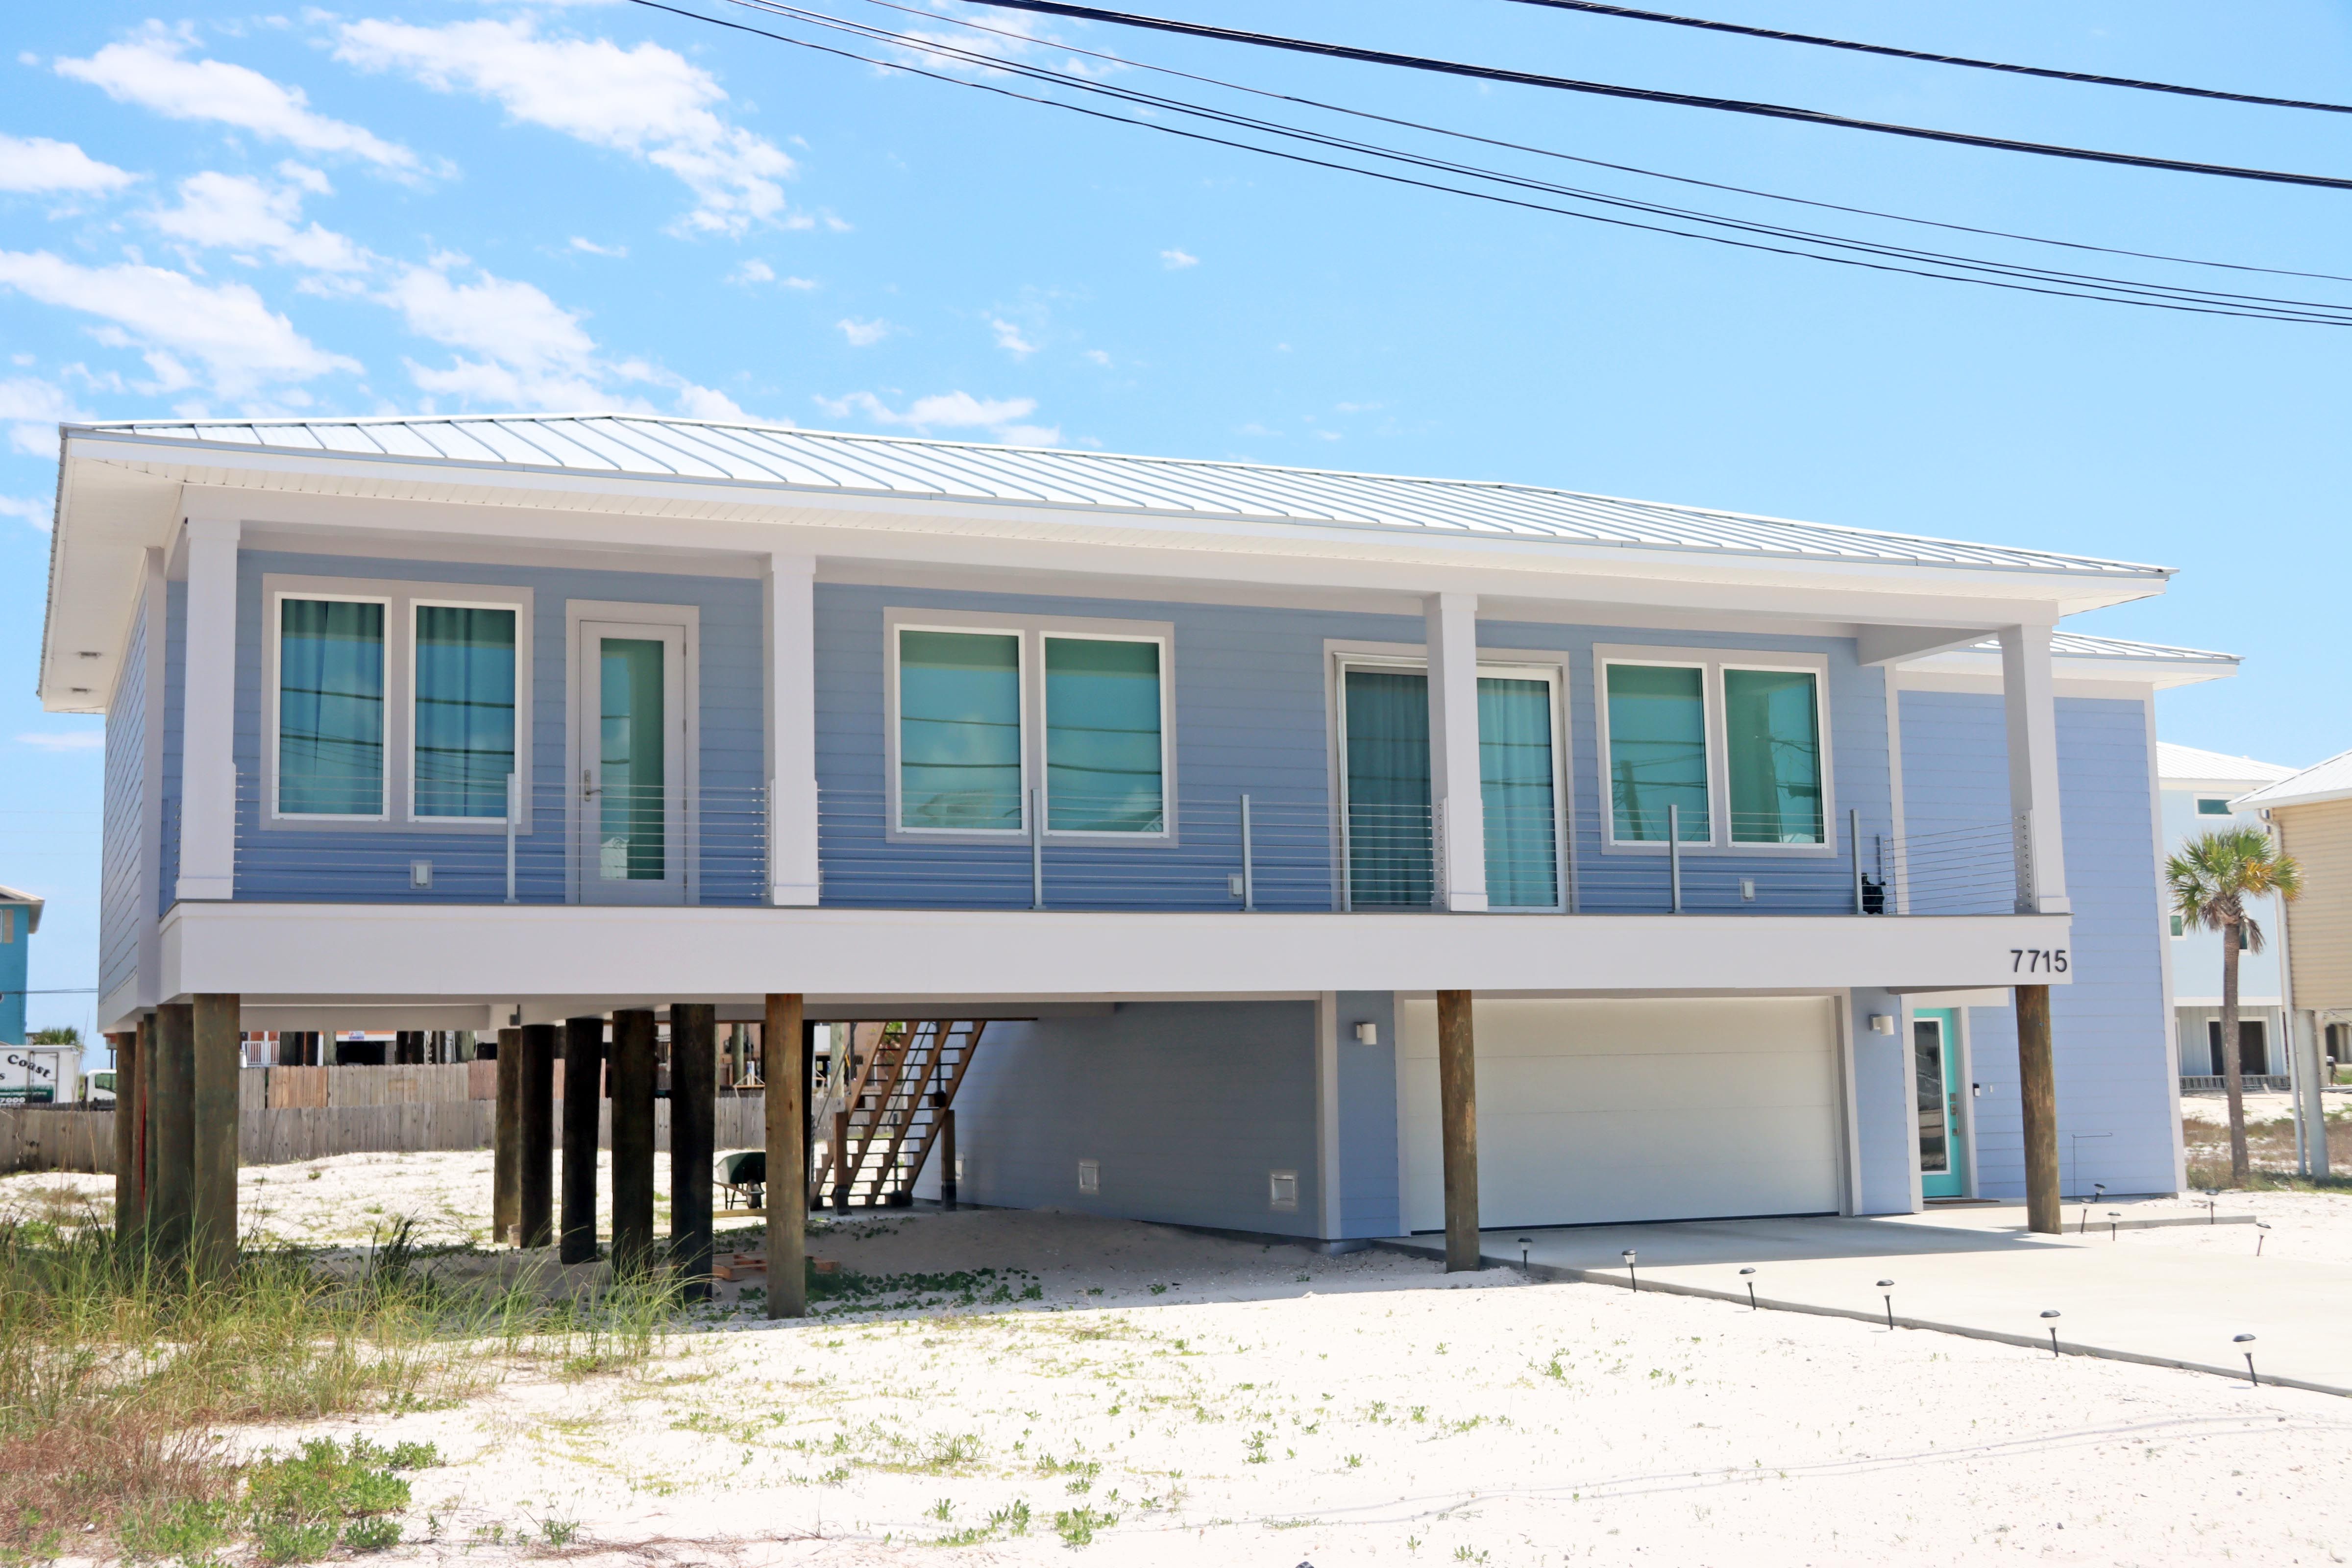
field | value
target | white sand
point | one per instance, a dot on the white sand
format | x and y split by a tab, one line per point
1374	1411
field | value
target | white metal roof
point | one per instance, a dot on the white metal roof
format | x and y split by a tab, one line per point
2330	780
33	901
788	459
2188	764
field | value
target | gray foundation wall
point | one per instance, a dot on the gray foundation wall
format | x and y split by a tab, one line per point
1187	1107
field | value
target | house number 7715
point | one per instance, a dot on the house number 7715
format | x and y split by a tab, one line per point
2037	961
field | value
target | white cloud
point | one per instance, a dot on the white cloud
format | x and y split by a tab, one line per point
864	335
593	248
36	513
1357	407
530	351
1099	356
36	164
149	70
949	411
238	213
32	408
647	102
707	402
752	272
64	740
1177	260
1009	338
242	344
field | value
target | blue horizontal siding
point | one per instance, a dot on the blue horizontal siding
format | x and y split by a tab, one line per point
121	915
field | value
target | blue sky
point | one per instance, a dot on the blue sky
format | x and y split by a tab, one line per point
471	206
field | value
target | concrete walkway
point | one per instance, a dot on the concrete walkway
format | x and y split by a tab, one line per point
1975	1271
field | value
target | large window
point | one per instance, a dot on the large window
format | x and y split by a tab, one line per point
330	707
989	714
394	702
1391	824
1732	746
465	716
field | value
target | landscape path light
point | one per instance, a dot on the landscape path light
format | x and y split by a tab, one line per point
1888	1286
1747	1278
1525	1242
2261	1235
2115	1222
2247	1340
1632	1277
2098	1192
2052	1316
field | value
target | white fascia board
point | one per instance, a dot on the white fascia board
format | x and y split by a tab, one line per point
1957	671
490	951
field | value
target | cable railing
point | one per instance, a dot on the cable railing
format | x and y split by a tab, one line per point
339	840
1280	850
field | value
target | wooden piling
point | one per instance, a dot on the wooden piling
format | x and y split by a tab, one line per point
950	1184
783	1045
693	1119
535	1139
634	1079
1457	1091
217	1059
2037	1081
147	1052
506	1141
169	1209
583	1069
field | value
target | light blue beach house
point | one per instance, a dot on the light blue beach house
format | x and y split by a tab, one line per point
1715	850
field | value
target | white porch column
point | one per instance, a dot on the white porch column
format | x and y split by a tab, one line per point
2027	695
1453	784
208	714
791	730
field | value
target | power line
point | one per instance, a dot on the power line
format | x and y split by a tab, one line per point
1888	258
1602	162
1628	13
1656	95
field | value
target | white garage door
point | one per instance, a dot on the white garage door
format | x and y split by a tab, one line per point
1592	1111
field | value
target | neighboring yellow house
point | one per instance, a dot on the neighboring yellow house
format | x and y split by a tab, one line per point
2311	813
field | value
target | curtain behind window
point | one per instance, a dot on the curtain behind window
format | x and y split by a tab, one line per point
1102	736
1657	752
959	731
1773	739
1389	863
330	708
1515	788
465	709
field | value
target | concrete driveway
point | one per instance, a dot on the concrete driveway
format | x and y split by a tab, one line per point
1975	1271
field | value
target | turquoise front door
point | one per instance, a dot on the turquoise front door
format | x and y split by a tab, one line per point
1935	1068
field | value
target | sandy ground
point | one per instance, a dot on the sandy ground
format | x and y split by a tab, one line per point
1198	1400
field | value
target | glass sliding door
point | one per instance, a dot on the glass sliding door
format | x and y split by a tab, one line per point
1385	716
633	730
1517	791
465	709
331	700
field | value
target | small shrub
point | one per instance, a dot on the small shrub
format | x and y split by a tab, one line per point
1076	1526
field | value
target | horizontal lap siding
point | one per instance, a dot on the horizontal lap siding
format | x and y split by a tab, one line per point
121	918
2320	837
2108	1025
371	865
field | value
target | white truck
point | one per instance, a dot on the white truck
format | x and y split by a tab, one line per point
40	1075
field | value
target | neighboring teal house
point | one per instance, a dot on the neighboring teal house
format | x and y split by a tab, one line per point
20	917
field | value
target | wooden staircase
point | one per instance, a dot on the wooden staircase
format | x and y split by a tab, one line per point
886	1104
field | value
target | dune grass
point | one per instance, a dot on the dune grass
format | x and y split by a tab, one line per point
117	1370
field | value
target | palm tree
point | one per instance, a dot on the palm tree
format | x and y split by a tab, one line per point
2210	880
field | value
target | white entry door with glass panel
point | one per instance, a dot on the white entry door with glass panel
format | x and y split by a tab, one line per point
632	726
1384	780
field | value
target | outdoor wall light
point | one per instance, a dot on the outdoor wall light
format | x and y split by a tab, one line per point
1882	1023
1367	1033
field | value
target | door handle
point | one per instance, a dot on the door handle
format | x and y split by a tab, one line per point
587	784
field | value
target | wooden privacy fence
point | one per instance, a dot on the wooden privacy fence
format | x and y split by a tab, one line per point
391	1109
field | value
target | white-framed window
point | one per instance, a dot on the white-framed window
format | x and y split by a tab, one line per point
395	703
1382	771
1731	746
2211	806
992	716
